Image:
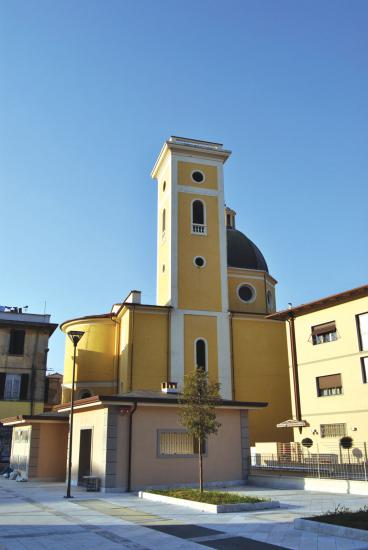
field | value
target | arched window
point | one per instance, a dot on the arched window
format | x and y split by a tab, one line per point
199	217
200	354
163	221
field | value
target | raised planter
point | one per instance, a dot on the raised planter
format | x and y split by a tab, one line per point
212	508
330	529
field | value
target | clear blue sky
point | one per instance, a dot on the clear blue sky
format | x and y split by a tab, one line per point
89	90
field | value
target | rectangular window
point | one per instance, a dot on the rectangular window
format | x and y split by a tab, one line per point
364	363
177	443
333	430
16	344
324	333
362	324
12	387
329	385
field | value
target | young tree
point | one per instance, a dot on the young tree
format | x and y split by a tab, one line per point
198	414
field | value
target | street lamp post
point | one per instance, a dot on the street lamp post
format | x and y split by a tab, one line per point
75	336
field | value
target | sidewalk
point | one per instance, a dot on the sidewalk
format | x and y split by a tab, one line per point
36	516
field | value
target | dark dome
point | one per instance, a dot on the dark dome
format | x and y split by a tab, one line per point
242	252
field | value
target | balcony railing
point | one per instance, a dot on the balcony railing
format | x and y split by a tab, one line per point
199	229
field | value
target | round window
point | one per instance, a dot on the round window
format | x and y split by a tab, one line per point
246	293
198	176
199	261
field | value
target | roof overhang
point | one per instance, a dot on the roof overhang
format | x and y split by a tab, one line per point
292	423
323	303
34	419
111	400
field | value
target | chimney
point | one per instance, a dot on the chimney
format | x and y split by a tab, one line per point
134	297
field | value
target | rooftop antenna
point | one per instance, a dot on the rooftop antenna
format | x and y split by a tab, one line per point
44	308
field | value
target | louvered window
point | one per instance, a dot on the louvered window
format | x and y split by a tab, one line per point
329	385
324	333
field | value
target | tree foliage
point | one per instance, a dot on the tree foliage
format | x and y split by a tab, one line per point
199	399
198	413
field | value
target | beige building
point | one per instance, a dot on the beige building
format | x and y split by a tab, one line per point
328	362
39	445
136	440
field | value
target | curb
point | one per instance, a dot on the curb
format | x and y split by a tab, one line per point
212	508
329	529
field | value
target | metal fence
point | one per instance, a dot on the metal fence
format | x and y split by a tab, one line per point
329	461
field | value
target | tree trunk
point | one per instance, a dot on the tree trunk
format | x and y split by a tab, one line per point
200	465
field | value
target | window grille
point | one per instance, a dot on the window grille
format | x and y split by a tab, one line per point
333	430
177	443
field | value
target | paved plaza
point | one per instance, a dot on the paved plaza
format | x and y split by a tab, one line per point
36	516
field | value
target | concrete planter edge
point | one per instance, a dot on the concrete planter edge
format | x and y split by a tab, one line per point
211	508
330	529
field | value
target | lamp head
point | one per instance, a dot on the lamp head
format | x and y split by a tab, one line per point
75	336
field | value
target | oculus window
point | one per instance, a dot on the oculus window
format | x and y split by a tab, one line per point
246	293
198	176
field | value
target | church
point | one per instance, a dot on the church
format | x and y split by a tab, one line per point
214	293
214	297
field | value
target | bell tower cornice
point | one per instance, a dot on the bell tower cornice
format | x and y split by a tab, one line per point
192	148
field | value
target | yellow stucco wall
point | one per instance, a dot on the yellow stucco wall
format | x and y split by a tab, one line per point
198	288
14	408
185	170
260	281
164	238
337	357
150	351
125	347
200	326
261	374
95	356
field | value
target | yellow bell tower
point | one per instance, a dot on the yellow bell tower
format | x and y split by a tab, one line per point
191	257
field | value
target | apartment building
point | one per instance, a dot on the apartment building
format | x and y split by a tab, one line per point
328	363
24	341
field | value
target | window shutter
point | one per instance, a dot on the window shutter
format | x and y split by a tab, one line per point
24	387
328	382
324	329
2	384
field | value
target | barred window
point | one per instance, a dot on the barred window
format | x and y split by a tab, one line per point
177	443
333	430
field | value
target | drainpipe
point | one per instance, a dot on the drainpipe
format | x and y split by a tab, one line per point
132	411
294	365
